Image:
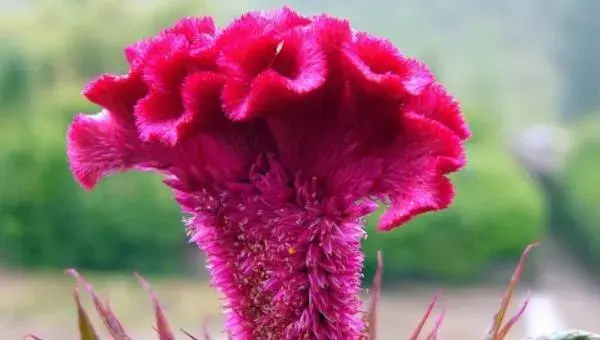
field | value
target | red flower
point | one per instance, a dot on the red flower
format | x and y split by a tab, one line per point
277	134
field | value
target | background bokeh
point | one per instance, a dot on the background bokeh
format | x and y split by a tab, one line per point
526	72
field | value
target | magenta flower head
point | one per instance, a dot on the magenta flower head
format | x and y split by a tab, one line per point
278	134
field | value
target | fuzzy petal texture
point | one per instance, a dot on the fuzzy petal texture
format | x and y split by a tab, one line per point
379	69
271	72
97	146
287	259
278	134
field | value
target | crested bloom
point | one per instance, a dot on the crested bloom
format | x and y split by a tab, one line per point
277	134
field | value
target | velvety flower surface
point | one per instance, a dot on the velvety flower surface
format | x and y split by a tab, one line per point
277	134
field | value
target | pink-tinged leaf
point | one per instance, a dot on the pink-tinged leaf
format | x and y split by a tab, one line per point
508	326
162	325
375	297
191	336
205	327
438	324
419	328
86	330
495	331
111	322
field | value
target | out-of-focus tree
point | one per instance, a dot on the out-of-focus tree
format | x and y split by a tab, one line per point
14	75
579	186
580	58
47	54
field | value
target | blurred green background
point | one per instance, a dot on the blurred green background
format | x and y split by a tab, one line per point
513	67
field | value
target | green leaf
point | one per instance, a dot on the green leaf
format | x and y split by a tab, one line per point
569	335
86	330
111	322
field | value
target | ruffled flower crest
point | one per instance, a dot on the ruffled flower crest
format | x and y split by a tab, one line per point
278	134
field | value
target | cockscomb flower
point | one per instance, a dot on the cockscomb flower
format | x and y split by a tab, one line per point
278	134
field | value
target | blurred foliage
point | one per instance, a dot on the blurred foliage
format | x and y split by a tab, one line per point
580	191
497	211
46	219
583	164
130	223
14	75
